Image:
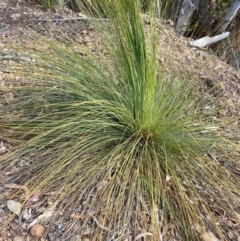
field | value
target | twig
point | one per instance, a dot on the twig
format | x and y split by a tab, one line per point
16	186
100	225
141	235
66	19
158	9
213	157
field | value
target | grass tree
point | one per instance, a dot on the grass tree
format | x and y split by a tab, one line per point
129	145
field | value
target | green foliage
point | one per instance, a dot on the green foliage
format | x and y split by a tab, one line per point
168	8
49	3
145	5
224	4
118	135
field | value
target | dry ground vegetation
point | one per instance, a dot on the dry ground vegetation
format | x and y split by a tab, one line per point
217	77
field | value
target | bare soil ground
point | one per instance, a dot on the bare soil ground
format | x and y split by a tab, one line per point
193	64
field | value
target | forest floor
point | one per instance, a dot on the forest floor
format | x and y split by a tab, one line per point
174	52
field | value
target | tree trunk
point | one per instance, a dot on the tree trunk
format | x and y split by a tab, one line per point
230	14
185	14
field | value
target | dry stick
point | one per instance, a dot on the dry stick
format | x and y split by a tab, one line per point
16	186
100	225
158	9
66	19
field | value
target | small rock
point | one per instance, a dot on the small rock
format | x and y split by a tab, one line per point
84	32
170	22
14	206
37	230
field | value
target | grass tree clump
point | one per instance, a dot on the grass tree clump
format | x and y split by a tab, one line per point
129	145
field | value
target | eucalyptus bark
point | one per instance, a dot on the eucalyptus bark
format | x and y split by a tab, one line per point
186	11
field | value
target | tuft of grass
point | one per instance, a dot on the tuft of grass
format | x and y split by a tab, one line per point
49	3
129	145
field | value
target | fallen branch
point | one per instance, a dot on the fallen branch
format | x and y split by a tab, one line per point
205	41
66	19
